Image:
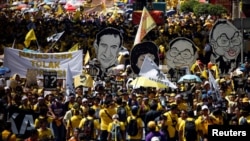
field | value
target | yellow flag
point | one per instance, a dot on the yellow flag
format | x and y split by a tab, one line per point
59	10
193	67
114	15
216	71
77	15
29	37
86	58
83	80
204	73
74	47
103	6
147	23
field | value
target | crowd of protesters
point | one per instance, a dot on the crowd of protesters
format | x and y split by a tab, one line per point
158	113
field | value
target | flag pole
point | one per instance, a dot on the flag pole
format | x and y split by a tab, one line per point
14	42
38	46
52	45
242	31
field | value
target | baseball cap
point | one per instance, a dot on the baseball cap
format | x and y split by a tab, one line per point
204	107
115	116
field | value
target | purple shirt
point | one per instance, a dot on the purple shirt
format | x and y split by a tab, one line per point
151	134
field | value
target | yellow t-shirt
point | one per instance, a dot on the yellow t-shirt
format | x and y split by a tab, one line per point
96	124
182	128
203	124
6	133
44	134
122	126
179	123
139	127
73	123
105	119
25	107
171	123
183	106
37	120
84	110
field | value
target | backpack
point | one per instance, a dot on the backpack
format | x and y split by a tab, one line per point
190	130
88	129
122	113
116	132
132	127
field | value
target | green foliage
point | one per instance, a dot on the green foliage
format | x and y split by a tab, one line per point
202	8
187	6
216	10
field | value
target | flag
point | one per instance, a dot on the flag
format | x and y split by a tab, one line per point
242	14
83	80
103	6
59	10
214	84
69	82
74	48
147	23
204	73
76	15
216	71
197	65
114	15
29	37
150	70
55	37
86	58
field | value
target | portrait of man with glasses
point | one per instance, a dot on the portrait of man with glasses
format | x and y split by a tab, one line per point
182	53
226	41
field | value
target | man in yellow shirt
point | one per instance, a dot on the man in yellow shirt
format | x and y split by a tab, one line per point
73	123
116	130
85	107
105	115
44	133
134	116
204	121
7	135
95	131
189	133
171	122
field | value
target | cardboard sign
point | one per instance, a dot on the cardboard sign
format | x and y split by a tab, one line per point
50	80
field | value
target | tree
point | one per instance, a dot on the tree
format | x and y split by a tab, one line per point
216	10
201	9
187	6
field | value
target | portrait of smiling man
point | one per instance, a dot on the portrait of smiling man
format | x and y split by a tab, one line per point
182	53
108	44
226	41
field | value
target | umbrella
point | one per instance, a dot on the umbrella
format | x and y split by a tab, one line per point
237	72
189	78
145	82
70	7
